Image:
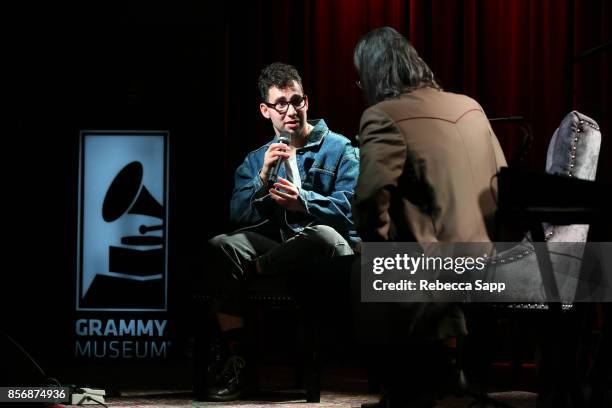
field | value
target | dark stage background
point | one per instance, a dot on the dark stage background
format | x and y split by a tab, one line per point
192	69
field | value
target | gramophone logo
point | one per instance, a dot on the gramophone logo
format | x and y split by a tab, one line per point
122	254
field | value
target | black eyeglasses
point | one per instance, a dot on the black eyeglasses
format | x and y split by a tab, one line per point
298	102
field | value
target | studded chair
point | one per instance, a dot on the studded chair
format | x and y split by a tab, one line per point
573	152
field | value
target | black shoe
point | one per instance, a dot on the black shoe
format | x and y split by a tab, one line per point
209	365
214	363
231	383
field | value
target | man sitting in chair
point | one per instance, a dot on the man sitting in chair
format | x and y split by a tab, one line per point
428	158
304	214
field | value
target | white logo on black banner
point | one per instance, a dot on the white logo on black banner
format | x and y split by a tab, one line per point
122	222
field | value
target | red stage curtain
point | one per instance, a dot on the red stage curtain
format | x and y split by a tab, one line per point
514	57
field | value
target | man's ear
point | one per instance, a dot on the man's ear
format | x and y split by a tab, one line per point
264	110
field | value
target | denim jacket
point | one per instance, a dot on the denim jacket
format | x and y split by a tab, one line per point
328	166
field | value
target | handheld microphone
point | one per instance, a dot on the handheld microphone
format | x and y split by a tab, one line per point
284	137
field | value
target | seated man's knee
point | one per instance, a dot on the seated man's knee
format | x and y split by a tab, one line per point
330	239
324	232
219	270
218	241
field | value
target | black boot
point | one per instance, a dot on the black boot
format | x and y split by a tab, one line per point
232	383
214	362
210	358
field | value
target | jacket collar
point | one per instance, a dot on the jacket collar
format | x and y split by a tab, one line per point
315	137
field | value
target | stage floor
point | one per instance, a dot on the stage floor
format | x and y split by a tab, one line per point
287	398
342	387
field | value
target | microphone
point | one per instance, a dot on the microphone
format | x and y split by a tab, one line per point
507	119
284	137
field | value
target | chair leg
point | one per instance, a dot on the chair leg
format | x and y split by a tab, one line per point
312	364
299	375
203	338
313	380
374	386
199	362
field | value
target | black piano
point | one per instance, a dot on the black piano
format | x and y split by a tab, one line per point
530	198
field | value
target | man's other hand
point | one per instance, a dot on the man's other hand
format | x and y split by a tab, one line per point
287	195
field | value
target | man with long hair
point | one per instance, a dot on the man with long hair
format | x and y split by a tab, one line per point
427	160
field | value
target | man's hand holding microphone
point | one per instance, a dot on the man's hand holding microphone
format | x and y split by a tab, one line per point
285	193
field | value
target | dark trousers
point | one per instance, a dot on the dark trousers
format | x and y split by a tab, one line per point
231	256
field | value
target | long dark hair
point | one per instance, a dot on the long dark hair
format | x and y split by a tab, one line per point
388	66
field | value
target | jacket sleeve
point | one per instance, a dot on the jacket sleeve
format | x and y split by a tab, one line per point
335	209
382	160
251	203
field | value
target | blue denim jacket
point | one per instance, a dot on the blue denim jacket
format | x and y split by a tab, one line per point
328	166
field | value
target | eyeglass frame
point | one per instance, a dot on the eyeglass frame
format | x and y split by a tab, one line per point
273	105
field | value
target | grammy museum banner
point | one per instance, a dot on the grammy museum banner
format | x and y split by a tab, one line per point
122	255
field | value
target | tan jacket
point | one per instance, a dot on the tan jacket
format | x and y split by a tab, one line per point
428	161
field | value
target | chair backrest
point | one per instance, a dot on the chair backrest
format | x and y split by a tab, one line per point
573	151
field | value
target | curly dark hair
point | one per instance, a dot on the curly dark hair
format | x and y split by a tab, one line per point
279	75
388	66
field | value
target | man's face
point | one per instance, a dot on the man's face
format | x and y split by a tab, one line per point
288	118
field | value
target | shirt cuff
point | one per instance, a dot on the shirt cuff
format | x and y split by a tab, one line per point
302	196
261	189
